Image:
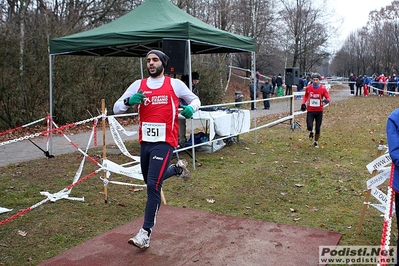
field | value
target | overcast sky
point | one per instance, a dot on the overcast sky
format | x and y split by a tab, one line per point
355	12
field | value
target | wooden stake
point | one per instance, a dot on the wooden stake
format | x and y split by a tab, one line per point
367	199
104	150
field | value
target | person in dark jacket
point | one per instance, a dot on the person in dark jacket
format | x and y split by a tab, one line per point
300	86
266	90
359	85
391	85
279	83
352	82
274	84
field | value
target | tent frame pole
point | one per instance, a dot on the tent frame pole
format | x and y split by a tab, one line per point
50	143
254	78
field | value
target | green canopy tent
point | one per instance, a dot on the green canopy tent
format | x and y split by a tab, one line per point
144	29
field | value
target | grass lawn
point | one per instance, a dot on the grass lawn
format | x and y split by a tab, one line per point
281	178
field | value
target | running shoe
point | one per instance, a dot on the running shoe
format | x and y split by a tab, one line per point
141	240
184	173
315	144
311	135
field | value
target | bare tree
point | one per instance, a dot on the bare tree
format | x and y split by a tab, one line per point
374	49
306	33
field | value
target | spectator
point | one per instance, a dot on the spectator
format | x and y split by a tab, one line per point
274	78
397	83
366	82
359	85
182	120
381	79
195	76
279	84
374	84
308	80
352	82
392	85
266	90
300	86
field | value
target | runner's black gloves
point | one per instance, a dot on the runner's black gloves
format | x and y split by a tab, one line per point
303	107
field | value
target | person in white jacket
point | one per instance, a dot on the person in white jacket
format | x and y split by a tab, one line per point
157	102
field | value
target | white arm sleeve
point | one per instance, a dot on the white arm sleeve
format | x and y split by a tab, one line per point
183	92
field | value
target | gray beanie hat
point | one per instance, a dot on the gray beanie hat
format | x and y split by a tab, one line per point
162	56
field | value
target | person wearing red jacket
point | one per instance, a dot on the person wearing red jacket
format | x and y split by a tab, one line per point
315	96
381	84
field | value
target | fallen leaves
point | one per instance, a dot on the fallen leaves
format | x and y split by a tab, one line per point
210	201
134	189
22	233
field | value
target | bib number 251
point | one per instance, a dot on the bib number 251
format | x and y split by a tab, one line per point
153	132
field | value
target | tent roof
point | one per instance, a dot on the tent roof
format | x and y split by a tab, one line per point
144	28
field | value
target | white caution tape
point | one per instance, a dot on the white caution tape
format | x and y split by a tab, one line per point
133	171
379	163
114	128
378	179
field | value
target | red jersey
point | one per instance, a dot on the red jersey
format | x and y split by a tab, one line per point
382	79
159	114
314	98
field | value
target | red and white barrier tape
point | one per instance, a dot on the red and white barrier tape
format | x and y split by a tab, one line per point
64	193
386	231
20	127
13	217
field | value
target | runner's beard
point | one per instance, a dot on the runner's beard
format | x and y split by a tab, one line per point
158	71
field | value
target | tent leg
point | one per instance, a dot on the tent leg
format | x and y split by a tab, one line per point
104	150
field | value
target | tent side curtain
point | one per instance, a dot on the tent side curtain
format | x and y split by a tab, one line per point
135	33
